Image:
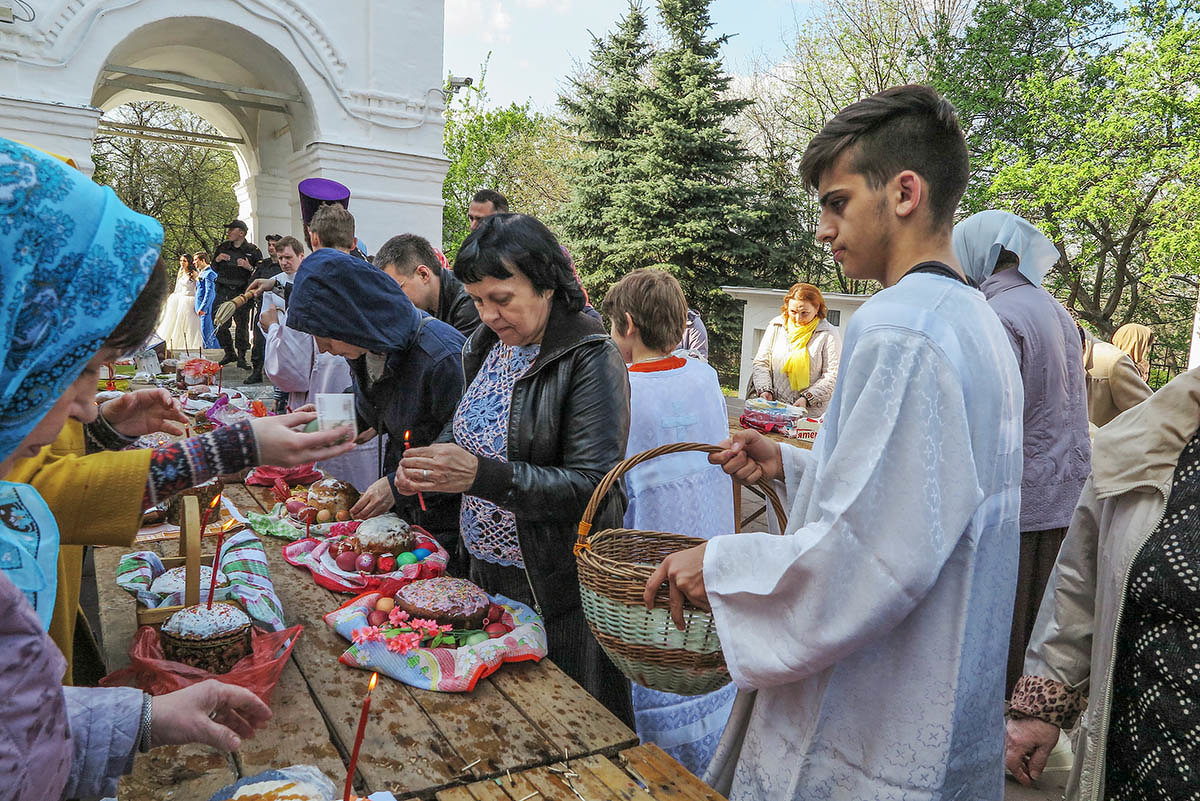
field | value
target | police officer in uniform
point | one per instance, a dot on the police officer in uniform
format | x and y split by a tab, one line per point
234	261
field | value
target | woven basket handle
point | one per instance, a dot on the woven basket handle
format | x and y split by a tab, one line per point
623	467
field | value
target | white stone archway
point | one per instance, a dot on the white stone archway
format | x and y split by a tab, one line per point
348	90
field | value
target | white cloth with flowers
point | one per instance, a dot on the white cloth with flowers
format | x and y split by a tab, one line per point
875	632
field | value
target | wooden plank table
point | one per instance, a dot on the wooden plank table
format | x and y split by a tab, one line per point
418	743
735	407
644	773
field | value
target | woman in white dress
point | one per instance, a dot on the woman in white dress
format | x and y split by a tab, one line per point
179	324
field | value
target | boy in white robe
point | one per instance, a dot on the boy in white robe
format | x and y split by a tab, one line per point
870	643
672	399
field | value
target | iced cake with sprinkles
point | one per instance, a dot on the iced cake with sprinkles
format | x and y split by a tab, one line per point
452	601
210	639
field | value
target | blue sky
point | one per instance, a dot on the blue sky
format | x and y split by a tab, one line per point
535	44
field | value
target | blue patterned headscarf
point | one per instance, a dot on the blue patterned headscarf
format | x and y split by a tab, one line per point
73	259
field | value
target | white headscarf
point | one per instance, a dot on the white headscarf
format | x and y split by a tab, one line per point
979	238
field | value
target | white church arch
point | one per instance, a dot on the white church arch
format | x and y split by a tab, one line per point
348	90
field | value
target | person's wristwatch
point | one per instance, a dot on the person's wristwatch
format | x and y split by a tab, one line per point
808	398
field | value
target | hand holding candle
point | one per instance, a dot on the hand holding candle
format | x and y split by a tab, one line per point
407	445
358	738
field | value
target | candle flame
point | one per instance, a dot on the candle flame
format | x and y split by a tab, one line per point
228	524
216	500
371	686
406	435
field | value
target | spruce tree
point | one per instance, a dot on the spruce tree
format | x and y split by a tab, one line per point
599	112
683	206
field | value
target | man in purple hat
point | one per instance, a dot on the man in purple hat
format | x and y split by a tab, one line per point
234	261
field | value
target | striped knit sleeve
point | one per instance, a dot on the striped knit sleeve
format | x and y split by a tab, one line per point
189	462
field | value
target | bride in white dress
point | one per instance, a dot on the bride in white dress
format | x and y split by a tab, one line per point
179	324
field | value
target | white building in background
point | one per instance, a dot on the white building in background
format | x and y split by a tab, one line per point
348	90
762	306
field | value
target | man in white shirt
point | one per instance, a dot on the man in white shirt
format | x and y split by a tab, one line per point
869	643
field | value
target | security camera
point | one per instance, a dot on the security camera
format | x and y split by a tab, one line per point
458	82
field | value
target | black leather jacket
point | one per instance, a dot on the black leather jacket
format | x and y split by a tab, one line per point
567	426
455	305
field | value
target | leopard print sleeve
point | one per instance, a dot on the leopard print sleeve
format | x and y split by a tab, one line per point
1048	700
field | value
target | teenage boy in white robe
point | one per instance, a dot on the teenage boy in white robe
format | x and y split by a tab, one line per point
869	644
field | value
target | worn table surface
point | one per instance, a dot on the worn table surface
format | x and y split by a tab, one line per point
418	743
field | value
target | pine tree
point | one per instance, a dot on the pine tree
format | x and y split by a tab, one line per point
684	206
600	113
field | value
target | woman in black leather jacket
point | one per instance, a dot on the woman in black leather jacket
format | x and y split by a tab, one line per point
545	415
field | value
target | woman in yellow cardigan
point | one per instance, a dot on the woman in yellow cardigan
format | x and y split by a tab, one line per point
98	495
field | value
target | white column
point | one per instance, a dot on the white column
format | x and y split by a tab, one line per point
1194	353
62	129
390	193
263	205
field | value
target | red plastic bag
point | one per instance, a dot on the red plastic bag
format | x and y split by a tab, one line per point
258	671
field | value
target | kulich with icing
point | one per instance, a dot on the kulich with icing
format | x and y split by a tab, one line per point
174	580
383	534
210	639
447	600
332	494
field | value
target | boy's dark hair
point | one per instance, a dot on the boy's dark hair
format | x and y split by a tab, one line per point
902	128
405	252
138	323
334	226
655	301
499	202
503	242
290	242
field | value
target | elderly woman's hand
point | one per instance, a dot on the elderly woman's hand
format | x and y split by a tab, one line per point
211	712
1027	745
443	467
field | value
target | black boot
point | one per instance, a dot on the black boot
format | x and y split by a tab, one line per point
255	377
229	359
241	360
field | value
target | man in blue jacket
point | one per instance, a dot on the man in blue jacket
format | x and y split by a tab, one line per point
406	366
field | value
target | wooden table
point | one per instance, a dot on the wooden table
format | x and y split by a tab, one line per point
735	406
418	743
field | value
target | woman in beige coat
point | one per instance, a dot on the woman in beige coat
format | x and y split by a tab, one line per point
1119	626
797	360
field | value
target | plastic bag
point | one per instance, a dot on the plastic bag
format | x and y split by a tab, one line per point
304	775
258	672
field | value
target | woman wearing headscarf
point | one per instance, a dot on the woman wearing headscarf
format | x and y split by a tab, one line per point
544	416
1136	340
57	327
1008	257
797	360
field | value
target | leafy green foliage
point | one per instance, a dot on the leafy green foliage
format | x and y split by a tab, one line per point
514	150
188	189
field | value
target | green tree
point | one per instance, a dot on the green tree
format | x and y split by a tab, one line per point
514	150
188	189
1086	120
599	113
684	206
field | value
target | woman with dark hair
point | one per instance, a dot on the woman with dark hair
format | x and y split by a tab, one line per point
545	415
797	361
179	325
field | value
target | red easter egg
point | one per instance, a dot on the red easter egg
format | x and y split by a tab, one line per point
377	618
346	561
386	564
495	630
495	613
366	562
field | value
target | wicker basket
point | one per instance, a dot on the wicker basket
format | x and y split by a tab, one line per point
614	566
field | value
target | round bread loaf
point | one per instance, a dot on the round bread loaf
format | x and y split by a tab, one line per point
383	534
332	494
213	639
447	600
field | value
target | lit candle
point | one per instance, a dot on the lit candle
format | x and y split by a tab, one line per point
358	738
220	379
212	585
408	445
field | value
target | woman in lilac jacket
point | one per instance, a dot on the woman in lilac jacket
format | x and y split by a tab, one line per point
1008	257
58	324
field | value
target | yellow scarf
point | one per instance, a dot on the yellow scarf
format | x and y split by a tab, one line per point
795	366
